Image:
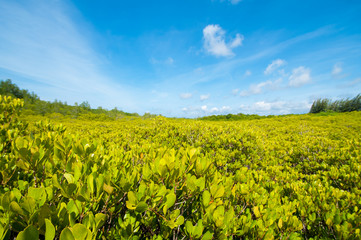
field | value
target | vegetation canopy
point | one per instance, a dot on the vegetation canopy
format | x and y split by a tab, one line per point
93	175
296	177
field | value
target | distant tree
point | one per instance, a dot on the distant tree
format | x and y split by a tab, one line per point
343	105
34	105
85	106
10	89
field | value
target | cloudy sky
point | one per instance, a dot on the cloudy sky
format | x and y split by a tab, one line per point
184	58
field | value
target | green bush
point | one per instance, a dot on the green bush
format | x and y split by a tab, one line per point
344	105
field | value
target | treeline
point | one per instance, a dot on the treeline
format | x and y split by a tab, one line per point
33	105
234	117
343	105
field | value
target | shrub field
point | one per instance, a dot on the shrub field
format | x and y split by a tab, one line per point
290	177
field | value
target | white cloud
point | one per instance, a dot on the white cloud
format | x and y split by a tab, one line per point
337	69
247	73
205	110
168	61
235	1
274	65
300	76
237	41
276	107
225	108
259	88
215	44
185	95
214	109
235	91
262	106
204	97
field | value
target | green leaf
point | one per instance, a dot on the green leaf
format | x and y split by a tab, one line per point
329	221
90	182
206	198
313	217
256	212
70	188
141	207
99	183
15	207
66	234
132	198
174	215
6	200
100	219
29	233
130	206
198	229
180	220
38	194
69	177
56	182
192	152
170	200
79	231
220	192
25	153
189	228
109	189
74	207
280	223
49	230
207	236
201	183
89	221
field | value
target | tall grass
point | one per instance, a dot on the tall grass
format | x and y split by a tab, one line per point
343	105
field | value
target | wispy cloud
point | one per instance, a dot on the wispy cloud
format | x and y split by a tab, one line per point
204	97
235	1
260	87
276	107
300	76
223	109
247	73
168	61
215	44
353	83
222	69
274	65
337	69
41	42
185	95
205	110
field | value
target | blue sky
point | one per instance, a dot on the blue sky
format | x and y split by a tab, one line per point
184	58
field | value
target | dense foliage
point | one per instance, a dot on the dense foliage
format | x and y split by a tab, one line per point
344	105
233	117
293	177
